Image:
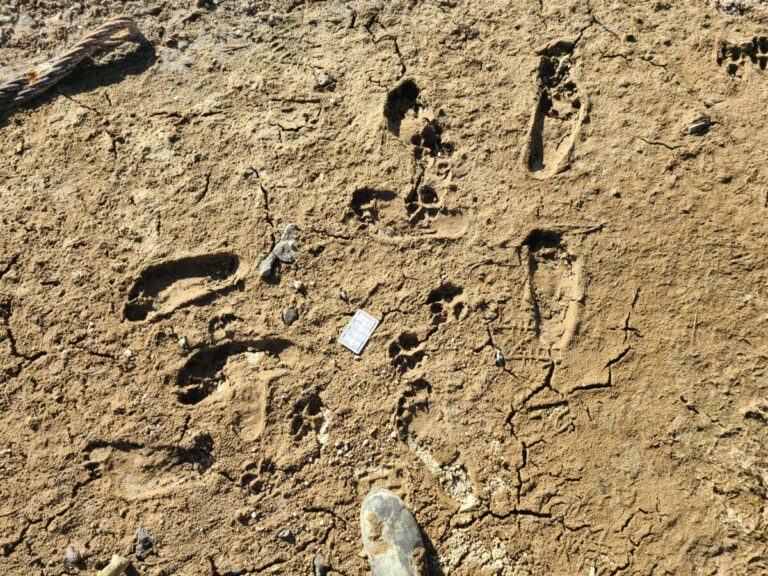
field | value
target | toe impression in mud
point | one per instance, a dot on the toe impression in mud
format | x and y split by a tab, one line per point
163	288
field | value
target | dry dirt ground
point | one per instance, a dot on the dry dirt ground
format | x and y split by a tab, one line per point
489	179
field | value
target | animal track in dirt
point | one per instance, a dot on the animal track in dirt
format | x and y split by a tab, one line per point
307	416
424	210
734	56
406	351
295	430
446	302
224	369
399	101
413	122
370	205
422	203
255	475
560	111
413	400
167	286
421	210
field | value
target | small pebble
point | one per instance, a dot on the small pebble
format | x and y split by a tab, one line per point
298	286
343	295
72	558
128	353
320	568
323	80
290	315
266	264
291	232
143	543
286	250
183	343
698	128
500	360
285	534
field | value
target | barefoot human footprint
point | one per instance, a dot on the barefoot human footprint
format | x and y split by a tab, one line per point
560	110
166	286
230	383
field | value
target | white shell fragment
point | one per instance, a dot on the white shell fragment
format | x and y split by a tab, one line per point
358	331
116	566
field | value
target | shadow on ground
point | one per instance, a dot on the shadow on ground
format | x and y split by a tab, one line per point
88	76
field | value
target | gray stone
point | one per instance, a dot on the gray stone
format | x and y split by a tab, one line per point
143	543
266	264
323	80
290	315
698	128
291	232
72	558
320	568
285	534
286	250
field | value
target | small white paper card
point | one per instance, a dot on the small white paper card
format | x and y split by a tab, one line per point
358	331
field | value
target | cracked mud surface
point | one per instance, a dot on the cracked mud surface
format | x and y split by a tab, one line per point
569	373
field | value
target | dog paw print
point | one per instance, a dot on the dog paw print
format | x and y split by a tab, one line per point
370	205
445	303
406	351
410	119
734	55
255	474
422	204
413	401
307	416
